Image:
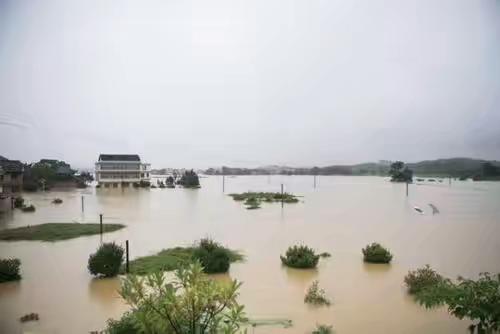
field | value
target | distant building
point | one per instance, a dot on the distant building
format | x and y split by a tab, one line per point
113	170
11	181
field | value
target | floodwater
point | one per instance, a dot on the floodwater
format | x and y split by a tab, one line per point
341	215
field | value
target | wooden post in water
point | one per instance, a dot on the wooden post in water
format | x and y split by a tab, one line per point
83	205
127	257
282	194
100	219
314	180
406	188
12	201
223	183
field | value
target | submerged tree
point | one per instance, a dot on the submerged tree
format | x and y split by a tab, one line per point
191	303
190	179
400	173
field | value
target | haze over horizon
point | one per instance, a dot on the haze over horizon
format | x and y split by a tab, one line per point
228	82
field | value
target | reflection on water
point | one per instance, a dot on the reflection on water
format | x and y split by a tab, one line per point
340	216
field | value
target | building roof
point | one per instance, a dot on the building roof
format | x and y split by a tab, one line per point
11	166
119	157
2	158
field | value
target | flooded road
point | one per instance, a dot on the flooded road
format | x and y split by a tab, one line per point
340	216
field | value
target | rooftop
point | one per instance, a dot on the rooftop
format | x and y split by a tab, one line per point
119	157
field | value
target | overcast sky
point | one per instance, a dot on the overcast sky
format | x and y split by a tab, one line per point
249	83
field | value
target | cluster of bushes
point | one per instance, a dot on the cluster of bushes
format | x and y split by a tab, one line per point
376	253
323	329
253	199
189	180
9	270
57	201
106	261
142	184
300	257
28	208
418	280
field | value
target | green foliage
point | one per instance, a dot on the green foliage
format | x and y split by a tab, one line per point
400	173
315	295
106	261
19	202
422	278
323	329
170	181
125	325
300	257
55	231
376	253
9	270
477	300
28	208
174	258
57	201
189	180
213	257
191	303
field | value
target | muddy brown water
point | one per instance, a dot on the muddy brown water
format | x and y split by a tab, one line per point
341	215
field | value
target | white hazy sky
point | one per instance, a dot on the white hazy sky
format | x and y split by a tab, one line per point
248	83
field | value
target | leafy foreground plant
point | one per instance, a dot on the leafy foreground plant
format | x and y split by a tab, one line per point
323	329
315	295
9	270
300	257
190	303
107	260
376	253
477	300
422	278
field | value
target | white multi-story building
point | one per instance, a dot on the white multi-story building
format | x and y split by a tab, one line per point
113	170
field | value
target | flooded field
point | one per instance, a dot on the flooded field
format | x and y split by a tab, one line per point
340	216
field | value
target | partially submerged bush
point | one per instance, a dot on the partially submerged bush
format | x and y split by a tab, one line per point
315	295
325	254
29	208
57	201
422	278
323	329
213	257
106	261
300	257
18	202
376	253
9	270
125	325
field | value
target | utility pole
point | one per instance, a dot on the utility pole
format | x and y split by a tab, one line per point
127	251
406	188
223	183
83	204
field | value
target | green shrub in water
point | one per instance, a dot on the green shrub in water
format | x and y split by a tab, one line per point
18	202
213	257
300	257
315	295
106	261
422	278
125	325
323	329
29	208
376	253
9	270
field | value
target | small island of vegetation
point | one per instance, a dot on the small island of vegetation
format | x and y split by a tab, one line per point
376	253
55	231
214	258
301	257
253	199
9	270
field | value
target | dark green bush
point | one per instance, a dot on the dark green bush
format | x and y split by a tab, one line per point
300	257
106	261
213	257
376	253
125	325
9	270
315	295
29	208
422	278
57	201
18	202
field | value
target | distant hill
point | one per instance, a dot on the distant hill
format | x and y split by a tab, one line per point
455	167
